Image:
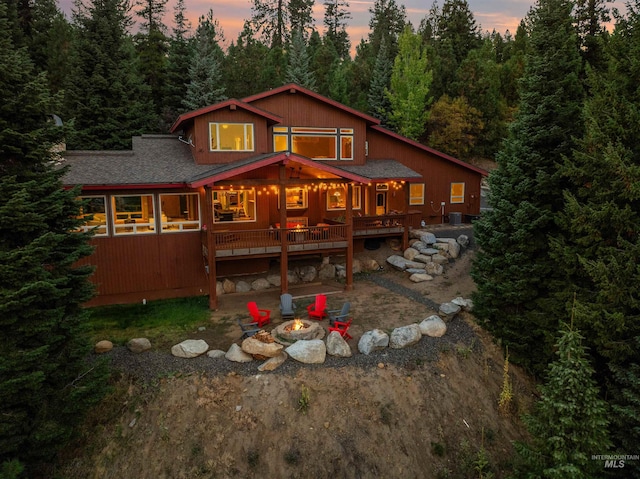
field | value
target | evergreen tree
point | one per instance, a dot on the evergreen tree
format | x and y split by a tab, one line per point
387	20
379	102
599	248
339	90
324	61
298	70
336	14
514	272
179	58
46	385
409	92
300	17
152	46
205	85
105	94
245	68
569	422
271	19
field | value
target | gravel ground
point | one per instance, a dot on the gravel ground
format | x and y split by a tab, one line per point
150	366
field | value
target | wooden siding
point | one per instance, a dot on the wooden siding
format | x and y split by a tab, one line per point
300	110
200	135
438	174
147	266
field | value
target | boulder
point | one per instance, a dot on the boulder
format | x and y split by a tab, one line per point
357	266
448	311
370	264
397	262
433	326
103	346
327	271
439	259
454	247
337	346
190	348
465	304
405	336
242	287
434	269
237	355
420	277
260	284
253	346
441	247
373	340
139	345
274	279
463	240
216	353
219	288
430	251
228	286
273	363
425	236
307	274
312	351
410	253
423	258
292	277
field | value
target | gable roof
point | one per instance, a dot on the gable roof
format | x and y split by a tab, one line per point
437	153
383	170
231	104
295	88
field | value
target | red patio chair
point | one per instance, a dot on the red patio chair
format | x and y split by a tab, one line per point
342	327
260	316
318	309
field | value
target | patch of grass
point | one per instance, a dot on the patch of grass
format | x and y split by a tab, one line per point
304	400
162	321
253	458
437	448
292	456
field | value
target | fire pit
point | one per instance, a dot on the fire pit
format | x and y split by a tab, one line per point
291	331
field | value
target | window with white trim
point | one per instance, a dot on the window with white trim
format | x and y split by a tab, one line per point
231	137
234	205
297	198
337	198
457	193
133	214
179	212
94	212
317	143
416	193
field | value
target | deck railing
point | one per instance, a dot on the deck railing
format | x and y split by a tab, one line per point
252	239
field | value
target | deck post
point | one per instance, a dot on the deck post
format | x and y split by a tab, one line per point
211	249
349	221
284	253
405	221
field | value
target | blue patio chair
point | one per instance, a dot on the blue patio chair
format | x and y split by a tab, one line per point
287	307
339	314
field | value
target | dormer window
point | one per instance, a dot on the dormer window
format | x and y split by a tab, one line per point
231	136
316	143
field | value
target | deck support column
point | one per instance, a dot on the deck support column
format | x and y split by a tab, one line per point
405	221
284	253
349	222
211	249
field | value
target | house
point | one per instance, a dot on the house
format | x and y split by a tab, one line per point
244	183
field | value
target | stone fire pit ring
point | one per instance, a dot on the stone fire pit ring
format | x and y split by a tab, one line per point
283	333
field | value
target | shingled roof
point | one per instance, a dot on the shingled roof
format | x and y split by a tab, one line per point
380	170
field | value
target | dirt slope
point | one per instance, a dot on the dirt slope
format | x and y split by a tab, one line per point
431	419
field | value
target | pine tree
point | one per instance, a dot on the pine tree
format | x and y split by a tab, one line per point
409	92
324	61
105	94
379	103
569	421
336	14
298	70
245	72
205	85
513	270
179	58
46	385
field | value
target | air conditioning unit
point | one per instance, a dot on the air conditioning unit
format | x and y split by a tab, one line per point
382	187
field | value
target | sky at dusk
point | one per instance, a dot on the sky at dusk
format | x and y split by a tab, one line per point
231	14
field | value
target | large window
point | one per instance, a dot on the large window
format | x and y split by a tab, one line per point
416	193
231	136
179	212
297	198
316	143
337	198
94	212
234	205
133	214
457	192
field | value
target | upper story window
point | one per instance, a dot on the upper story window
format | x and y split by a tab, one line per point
234	205
231	136
180	212
316	143
133	214
94	212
